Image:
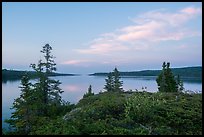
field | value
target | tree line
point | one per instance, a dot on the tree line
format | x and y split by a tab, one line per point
184	72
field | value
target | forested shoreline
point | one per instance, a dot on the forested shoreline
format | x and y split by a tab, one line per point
185	72
12	75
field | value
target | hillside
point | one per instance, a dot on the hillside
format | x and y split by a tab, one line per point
129	113
183	72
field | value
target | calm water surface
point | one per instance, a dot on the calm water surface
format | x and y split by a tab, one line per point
74	88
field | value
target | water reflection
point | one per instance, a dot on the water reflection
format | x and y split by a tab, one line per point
184	79
71	88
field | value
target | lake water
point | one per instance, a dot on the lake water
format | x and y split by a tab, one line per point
74	88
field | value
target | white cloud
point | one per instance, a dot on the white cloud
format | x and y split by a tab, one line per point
173	19
148	30
149	27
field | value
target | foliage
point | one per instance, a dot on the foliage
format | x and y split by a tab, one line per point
113	82
109	82
166	81
22	117
48	91
166	113
179	84
117	84
127	113
89	93
41	99
130	113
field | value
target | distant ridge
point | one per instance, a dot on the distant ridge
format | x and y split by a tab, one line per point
17	74
183	72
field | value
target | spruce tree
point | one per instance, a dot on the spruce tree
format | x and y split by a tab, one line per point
113	82
161	79
170	80
165	80
117	84
40	86
41	99
90	89
109	82
89	92
22	118
48	89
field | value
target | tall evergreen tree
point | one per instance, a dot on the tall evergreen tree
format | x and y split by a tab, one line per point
117	84
113	82
89	92
165	80
90	89
41	99
48	89
22	118
161	79
171	82
40	89
109	82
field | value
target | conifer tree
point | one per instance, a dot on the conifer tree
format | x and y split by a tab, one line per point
117	84
170	80
113	82
161	79
89	93
47	89
90	89
165	80
40	86
109	82
41	99
22	118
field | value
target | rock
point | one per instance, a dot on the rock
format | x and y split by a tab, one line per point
71	114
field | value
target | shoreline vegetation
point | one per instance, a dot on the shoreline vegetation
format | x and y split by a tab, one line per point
127	113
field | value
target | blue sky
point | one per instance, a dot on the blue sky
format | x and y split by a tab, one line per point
92	37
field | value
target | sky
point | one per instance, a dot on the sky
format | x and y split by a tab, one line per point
89	37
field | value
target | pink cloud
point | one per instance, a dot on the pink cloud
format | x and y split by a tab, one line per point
192	10
103	48
149	27
170	36
177	18
75	62
143	34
